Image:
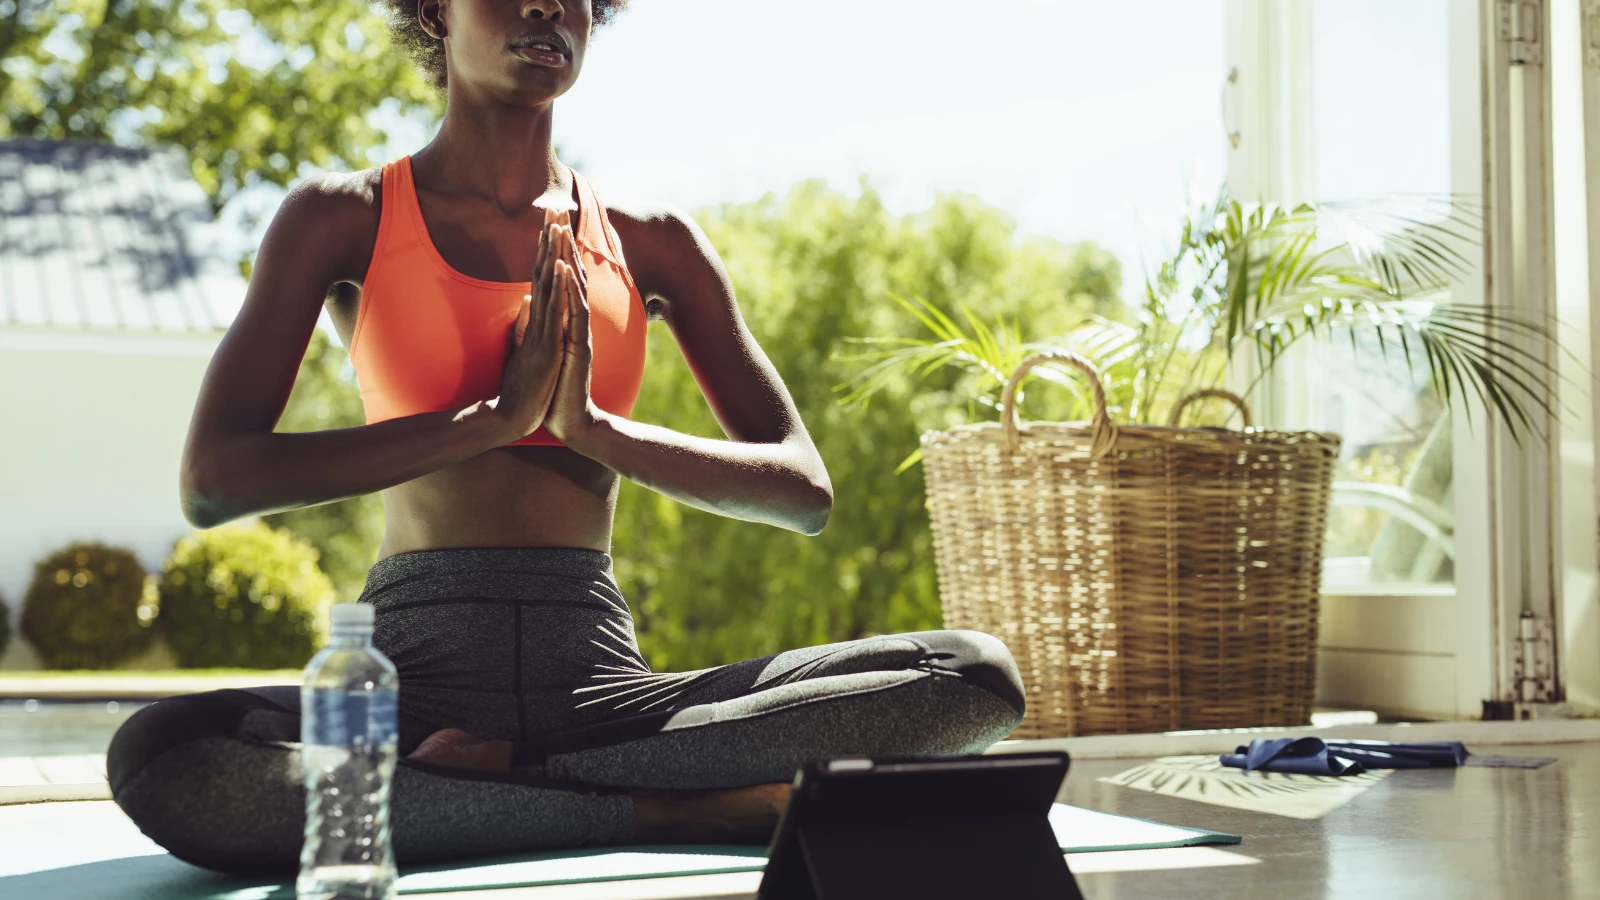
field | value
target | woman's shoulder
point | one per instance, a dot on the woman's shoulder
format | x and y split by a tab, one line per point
346	196
336	212
671	259
653	233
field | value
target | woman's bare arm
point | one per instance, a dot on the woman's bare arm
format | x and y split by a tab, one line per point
235	465
769	469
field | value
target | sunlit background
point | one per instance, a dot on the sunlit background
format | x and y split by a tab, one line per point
1033	161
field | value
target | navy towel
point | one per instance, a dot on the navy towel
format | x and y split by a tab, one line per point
1315	756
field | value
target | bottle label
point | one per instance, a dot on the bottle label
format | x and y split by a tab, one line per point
351	718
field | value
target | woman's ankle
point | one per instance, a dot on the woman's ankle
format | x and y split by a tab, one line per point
734	815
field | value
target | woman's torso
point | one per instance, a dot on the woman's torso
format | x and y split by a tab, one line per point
426	324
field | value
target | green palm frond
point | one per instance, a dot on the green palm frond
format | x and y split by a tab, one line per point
1258	279
990	353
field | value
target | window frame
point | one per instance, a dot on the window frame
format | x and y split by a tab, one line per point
1428	650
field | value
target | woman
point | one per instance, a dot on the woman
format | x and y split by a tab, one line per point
497	429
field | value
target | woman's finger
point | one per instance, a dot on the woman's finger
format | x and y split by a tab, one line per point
578	313
568	248
566	315
520	328
543	248
573	258
547	269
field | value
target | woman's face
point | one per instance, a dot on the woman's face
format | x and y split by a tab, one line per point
527	51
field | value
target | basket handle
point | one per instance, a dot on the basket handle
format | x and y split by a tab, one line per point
1104	435
1209	393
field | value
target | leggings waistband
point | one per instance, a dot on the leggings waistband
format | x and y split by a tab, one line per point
390	575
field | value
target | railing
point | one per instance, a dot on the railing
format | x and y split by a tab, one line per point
1435	523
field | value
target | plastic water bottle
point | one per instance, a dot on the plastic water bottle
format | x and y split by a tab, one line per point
349	703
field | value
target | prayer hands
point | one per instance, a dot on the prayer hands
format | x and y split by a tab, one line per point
535	361
572	409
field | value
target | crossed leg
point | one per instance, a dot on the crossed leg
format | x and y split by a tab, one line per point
215	777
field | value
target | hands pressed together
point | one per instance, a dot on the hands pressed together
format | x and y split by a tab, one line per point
767	470
546	378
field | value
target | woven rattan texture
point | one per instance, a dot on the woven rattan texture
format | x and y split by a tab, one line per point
1170	583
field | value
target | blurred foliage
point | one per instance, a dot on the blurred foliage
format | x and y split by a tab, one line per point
812	268
244	595
5	626
346	533
252	89
89	606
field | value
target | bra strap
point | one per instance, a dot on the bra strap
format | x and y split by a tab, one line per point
596	230
399	228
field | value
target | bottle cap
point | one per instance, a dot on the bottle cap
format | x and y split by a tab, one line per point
348	615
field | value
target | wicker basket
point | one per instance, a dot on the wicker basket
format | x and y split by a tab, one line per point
1146	578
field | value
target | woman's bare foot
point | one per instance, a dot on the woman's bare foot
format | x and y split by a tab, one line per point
733	816
458	749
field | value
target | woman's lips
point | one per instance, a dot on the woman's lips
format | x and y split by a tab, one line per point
539	57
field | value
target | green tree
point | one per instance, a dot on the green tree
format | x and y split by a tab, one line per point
347	533
252	89
812	269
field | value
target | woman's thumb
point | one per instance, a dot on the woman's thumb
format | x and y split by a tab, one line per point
520	327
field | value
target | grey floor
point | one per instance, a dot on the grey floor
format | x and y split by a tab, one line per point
1429	833
1435	833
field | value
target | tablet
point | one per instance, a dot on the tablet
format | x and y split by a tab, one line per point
927	827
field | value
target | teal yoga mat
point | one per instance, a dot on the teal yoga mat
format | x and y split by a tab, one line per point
90	851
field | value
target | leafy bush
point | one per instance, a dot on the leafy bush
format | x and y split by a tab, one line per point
89	606
347	533
5	626
244	595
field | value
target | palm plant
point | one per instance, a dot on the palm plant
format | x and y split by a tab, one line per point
1253	281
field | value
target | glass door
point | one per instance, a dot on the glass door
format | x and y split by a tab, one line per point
1376	102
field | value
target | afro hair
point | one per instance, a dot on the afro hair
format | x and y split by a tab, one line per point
428	51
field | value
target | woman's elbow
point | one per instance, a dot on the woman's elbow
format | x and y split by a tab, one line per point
200	511
202	492
816	507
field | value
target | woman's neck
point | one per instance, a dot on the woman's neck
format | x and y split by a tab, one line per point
497	151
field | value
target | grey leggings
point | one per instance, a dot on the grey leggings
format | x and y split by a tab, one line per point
536	646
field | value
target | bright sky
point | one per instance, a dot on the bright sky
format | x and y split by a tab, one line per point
1080	119
1075	117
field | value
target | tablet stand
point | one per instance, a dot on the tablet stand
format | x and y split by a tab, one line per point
930	837
971	861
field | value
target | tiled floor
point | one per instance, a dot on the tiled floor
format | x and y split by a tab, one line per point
31	779
1437	833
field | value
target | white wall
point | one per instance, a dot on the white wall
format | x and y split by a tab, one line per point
91	433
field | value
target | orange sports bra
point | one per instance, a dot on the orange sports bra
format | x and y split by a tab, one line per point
429	338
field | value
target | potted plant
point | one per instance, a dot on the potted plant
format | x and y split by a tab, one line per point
1151	577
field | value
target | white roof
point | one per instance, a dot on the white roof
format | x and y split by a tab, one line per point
94	236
